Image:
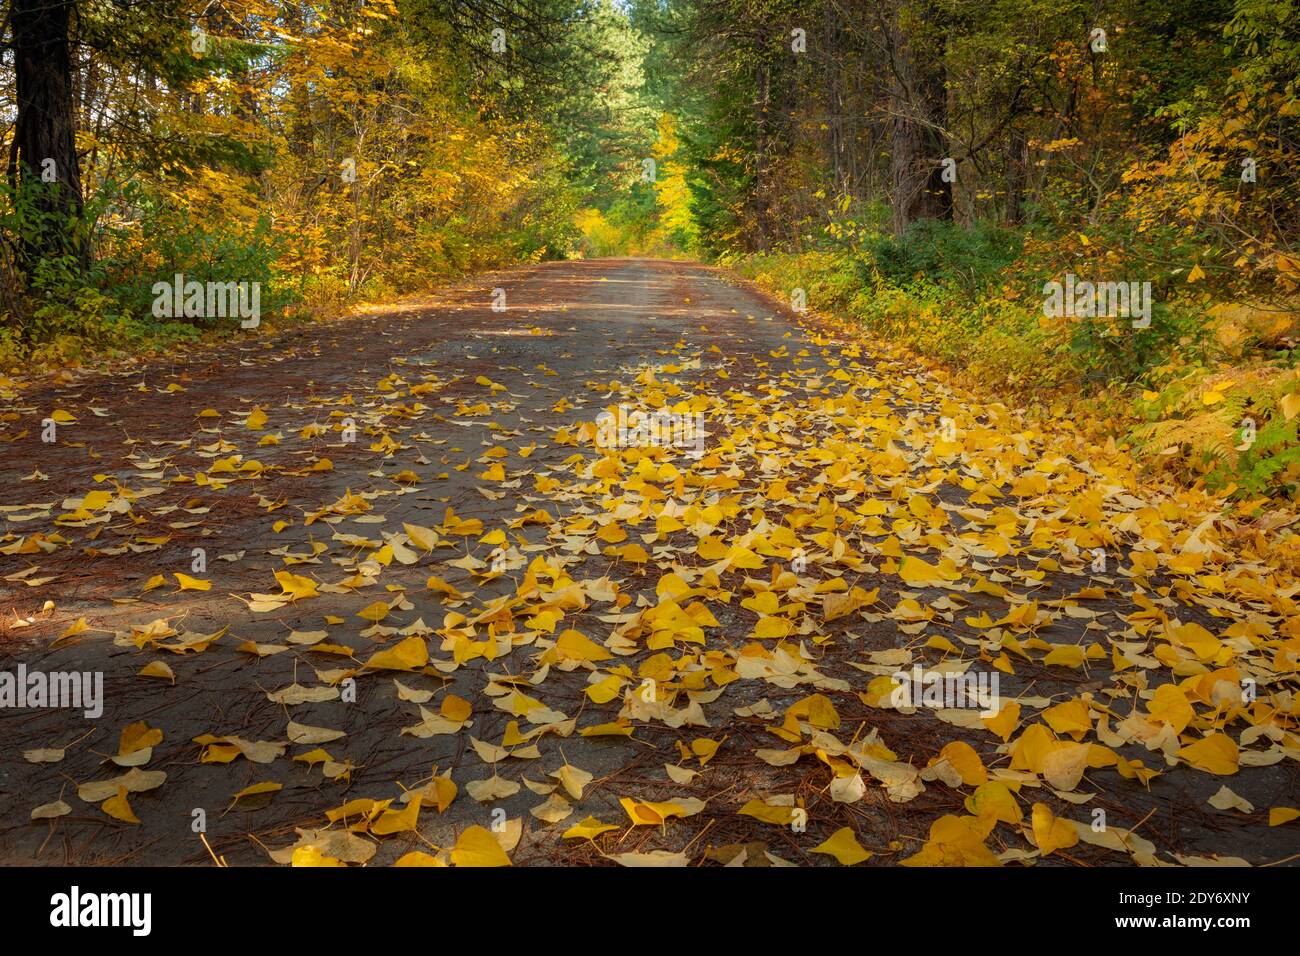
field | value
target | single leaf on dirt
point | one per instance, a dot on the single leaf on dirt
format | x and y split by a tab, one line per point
307	735
51	811
1226	799
493	788
133	781
407	655
654	858
157	669
844	846
478	847
44	755
296	694
418	858
573	779
555	809
255	796
398	821
1049	832
119	808
296	586
588	829
644	813
1217	754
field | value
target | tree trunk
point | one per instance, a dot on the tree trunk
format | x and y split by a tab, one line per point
45	144
919	112
837	141
761	172
1017	175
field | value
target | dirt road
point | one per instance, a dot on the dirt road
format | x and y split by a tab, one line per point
705	634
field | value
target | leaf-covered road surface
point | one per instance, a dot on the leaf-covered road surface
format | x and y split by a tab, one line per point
435	617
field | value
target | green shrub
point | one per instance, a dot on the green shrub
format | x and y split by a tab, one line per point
172	241
967	259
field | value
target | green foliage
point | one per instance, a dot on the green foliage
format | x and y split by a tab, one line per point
1269	466
968	260
1107	350
174	241
72	310
1228	427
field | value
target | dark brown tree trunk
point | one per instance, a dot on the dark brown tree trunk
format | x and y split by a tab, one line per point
1017	175
919	112
837	139
45	144
761	171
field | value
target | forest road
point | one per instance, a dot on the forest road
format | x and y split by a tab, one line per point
307	454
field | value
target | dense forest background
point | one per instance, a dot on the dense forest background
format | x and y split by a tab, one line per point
920	168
